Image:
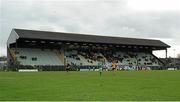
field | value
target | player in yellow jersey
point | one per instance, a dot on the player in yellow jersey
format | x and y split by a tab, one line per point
114	65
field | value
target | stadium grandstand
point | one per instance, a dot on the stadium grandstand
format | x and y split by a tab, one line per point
52	51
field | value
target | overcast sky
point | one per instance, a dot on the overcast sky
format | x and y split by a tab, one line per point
154	19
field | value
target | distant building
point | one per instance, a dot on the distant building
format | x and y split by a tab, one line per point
3	62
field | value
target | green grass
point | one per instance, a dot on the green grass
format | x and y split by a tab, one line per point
120	86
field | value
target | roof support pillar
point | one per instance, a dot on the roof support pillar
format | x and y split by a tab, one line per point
166	53
64	51
16	62
16	46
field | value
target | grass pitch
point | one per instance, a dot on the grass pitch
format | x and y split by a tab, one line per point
119	86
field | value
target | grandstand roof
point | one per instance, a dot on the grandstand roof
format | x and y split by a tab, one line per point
61	36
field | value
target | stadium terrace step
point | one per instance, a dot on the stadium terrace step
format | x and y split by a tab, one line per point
29	56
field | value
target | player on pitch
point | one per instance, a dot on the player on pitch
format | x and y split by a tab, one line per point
100	67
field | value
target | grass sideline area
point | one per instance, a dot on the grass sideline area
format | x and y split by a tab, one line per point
90	86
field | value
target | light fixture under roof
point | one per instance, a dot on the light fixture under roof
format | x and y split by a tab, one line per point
27	41
43	42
